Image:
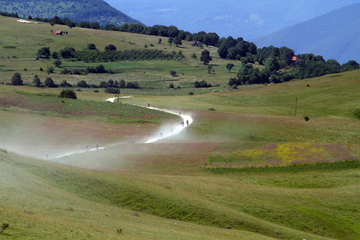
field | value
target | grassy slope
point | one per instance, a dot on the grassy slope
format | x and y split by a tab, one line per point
168	179
33	37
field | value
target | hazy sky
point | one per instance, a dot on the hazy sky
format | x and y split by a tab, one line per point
248	19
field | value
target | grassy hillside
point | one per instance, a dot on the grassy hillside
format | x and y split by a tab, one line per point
19	53
247	168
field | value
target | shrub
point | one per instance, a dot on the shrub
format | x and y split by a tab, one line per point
306	118
82	84
57	63
64	83
112	90
68	94
173	73
16	79
171	85
49	83
96	91
191	93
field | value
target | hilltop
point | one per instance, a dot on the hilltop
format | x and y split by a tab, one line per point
76	10
333	35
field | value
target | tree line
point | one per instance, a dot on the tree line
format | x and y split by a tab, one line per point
272	58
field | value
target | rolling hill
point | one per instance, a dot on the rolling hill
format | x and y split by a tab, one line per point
333	35
247	168
77	10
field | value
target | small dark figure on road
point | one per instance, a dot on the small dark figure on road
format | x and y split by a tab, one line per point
161	135
87	148
148	104
187	122
97	146
180	113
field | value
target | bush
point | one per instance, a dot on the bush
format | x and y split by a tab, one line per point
172	73
68	94
306	118
82	84
112	90
16	79
171	85
191	93
64	83
49	83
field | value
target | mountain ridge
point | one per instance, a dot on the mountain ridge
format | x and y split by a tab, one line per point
333	35
248	20
76	10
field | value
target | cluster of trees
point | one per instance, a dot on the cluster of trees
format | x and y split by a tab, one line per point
237	49
276	59
202	84
126	55
110	86
110	53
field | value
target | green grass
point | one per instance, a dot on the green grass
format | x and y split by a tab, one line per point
192	185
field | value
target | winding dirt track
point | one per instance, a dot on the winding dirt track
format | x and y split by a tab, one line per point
185	122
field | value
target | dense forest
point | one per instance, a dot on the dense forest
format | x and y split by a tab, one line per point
280	64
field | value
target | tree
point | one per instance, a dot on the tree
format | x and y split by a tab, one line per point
223	51
110	83
229	66
110	47
193	56
68	94
173	73
16	79
100	69
272	64
177	41
91	46
43	52
170	40
122	83
67	52
57	63
82	84
55	55
49	83
36	81
160	40
64	83
103	84
205	57
50	70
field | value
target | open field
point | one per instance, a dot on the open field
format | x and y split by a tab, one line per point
247	168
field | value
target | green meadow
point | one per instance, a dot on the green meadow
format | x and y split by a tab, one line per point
249	167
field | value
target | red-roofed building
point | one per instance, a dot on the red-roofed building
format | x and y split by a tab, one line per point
294	61
59	32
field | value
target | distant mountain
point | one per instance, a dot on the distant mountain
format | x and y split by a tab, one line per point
334	35
76	10
247	19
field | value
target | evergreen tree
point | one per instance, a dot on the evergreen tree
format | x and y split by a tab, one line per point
16	79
